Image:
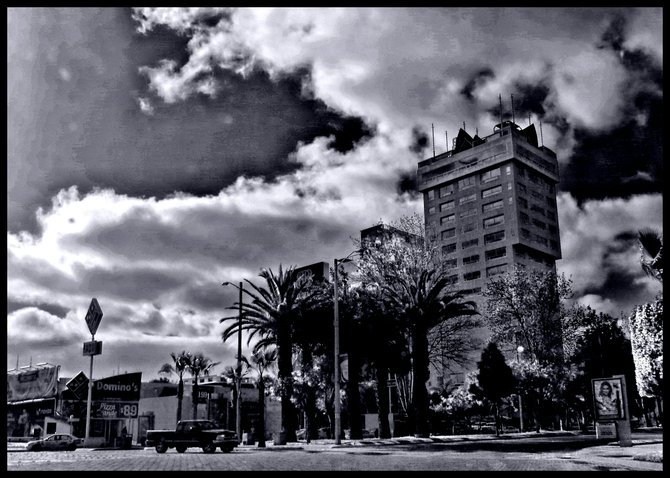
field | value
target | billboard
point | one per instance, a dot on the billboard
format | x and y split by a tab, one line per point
33	383
114	410
608	398
119	388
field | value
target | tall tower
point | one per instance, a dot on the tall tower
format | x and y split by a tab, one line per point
491	204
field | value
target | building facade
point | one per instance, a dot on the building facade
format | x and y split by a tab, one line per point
491	204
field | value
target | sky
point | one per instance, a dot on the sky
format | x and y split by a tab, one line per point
154	153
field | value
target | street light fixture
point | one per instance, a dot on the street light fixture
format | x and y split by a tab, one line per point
336	322
519	350
238	378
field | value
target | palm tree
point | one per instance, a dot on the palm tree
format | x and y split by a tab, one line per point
270	316
199	364
181	363
231	374
263	360
651	253
423	302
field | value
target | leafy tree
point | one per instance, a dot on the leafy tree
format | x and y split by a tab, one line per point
199	364
646	327
270	317
495	380
180	364
651	253
409	271
525	307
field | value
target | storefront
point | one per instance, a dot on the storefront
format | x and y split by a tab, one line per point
31	398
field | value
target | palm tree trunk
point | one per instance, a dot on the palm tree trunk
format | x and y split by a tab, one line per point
421	374
180	397
194	397
260	427
284	355
382	400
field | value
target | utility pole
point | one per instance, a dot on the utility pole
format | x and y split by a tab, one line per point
239	371
336	399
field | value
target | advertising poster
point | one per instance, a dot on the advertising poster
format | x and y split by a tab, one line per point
34	383
608	398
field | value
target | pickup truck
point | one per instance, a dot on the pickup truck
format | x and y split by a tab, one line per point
204	434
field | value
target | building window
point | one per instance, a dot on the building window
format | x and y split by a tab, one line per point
447	219
551	215
472	275
494	221
471	259
521	171
523	203
509	186
524	218
492	206
469	226
554	245
534	178
450	263
446	190
491	175
551	202
510	200
448	233
467	199
468	213
540	240
445	206
491	191
536	195
539	224
449	248
495	253
551	228
431	210
470	243
494	237
495	270
537	209
521	188
466	183
452	279
431	194
476	290
508	170
525	233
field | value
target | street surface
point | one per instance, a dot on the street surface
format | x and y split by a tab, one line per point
483	456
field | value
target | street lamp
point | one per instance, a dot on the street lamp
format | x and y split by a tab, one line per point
238	378
336	322
519	350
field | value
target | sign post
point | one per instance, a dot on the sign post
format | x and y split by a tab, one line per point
93	318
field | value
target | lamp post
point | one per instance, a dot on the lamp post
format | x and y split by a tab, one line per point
519	350
238	370
336	346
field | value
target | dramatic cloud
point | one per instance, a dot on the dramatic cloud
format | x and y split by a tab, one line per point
601	253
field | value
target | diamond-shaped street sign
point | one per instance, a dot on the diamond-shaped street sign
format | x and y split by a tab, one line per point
93	316
78	385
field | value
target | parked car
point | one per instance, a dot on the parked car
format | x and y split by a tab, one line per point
204	434
58	441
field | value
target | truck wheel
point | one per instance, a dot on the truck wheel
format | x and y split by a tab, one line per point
181	449
227	449
209	448
162	446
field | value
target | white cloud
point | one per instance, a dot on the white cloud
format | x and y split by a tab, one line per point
145	105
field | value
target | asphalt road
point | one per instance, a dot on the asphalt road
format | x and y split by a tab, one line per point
421	457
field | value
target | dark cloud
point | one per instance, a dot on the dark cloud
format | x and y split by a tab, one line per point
419	140
529	98
625	161
407	184
53	309
477	80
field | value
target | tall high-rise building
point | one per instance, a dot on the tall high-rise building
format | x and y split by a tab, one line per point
491	204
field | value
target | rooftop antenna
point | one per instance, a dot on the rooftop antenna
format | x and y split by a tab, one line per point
31	362
433	127
446	138
476	131
463	125
541	138
512	108
17	361
501	124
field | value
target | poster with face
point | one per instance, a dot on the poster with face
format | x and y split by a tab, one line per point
608	398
